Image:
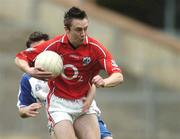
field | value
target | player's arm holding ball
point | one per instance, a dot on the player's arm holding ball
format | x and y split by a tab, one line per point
36	72
28	105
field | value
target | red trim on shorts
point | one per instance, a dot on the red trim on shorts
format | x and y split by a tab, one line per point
50	119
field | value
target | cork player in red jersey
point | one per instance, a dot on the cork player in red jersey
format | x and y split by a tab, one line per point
83	58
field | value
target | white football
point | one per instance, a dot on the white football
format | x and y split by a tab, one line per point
50	61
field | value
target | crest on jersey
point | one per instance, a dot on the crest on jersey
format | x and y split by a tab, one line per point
38	87
86	60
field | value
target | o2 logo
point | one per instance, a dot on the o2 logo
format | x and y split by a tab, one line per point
75	74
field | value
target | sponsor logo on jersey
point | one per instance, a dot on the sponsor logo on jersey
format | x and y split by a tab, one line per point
86	60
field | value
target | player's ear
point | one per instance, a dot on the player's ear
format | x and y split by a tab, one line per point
66	29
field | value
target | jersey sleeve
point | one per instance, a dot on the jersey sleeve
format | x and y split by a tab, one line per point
25	97
30	54
106	60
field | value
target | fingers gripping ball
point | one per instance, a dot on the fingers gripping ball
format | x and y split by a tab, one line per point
50	61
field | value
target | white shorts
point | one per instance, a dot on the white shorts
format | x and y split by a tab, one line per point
60	109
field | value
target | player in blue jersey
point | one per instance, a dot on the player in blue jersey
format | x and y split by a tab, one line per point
28	102
33	92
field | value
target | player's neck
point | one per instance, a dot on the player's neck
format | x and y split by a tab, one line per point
73	46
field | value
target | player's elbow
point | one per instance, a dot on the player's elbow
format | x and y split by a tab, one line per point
22	114
16	61
120	78
114	80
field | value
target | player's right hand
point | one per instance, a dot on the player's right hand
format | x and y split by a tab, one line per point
39	73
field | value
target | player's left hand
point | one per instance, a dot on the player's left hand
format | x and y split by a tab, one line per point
98	81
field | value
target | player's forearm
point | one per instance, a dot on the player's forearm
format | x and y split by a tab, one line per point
113	80
22	64
92	92
89	98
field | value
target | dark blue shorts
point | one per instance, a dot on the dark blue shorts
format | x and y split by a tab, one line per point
103	129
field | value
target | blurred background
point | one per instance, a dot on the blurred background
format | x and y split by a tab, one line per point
142	35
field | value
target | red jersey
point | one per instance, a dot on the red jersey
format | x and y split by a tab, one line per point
80	64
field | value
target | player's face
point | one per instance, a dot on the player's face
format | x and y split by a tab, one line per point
77	31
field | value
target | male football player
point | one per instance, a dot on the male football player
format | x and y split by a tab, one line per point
33	92
83	58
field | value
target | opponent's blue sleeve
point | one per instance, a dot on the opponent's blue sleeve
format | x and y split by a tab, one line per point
103	129
25	97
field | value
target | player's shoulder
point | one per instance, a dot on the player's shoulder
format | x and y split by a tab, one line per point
50	44
94	43
92	40
59	38
24	81
25	76
96	46
54	40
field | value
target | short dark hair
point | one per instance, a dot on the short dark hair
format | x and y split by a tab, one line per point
35	37
73	13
